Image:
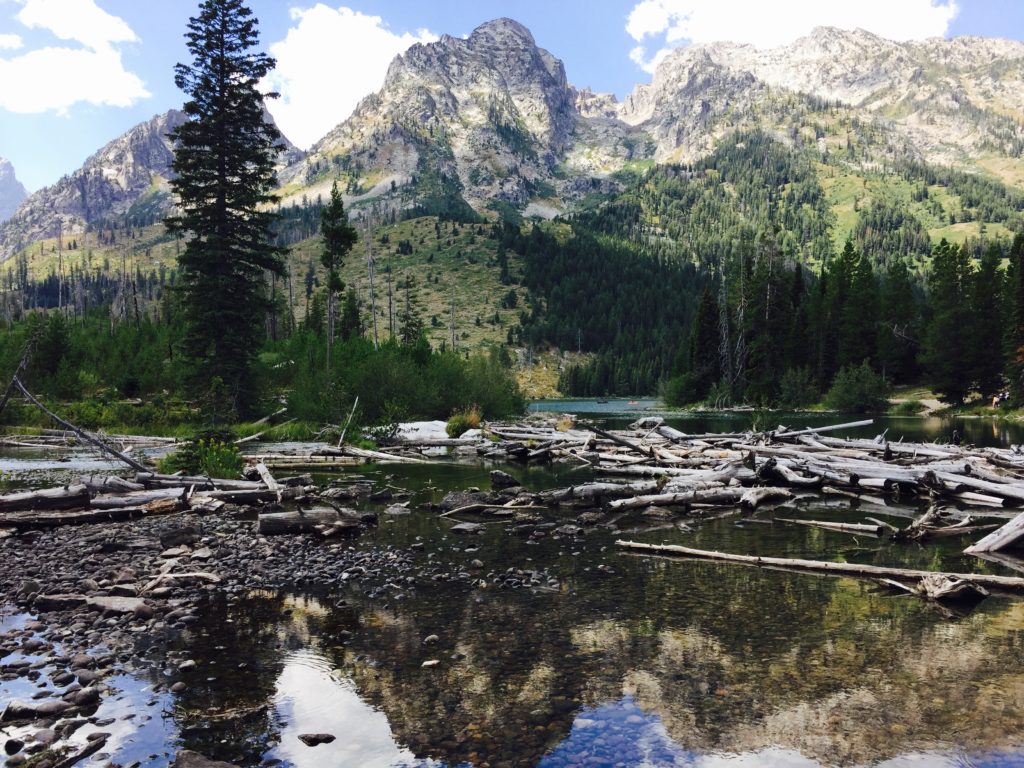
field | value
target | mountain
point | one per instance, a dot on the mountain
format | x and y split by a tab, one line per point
955	102
12	192
126	179
131	168
490	122
488	118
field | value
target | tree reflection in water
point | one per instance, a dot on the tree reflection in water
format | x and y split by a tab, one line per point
660	663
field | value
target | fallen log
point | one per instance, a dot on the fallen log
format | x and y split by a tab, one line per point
82	434
256	495
377	456
23	520
137	499
68	497
680	498
754	497
619	440
268	478
307	521
1002	538
154	480
782	432
857	528
1012	584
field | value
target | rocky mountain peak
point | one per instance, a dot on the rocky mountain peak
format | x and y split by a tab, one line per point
503	32
12	192
490	113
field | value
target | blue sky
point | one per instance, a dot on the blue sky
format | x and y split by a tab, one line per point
77	73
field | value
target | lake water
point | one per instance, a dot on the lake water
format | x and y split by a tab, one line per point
620	412
613	660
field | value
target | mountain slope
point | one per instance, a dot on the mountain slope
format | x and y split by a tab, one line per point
12	192
489	118
954	101
125	180
108	184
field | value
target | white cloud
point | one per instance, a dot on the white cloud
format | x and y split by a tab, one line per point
57	77
79	20
768	24
329	60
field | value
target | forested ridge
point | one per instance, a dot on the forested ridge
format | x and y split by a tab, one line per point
729	285
729	280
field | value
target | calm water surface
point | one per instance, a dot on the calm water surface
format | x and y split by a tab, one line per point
629	661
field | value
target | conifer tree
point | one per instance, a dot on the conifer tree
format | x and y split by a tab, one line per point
704	359
224	166
898	324
947	356
339	236
1015	333
986	323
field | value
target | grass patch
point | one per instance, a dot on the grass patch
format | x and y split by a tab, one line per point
462	422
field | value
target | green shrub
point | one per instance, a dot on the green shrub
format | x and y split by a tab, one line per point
858	389
797	388
212	453
908	408
462	422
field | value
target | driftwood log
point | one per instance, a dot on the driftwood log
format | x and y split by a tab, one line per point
317	520
1012	584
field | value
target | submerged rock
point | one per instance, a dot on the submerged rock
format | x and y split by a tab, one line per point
315	739
188	759
501	479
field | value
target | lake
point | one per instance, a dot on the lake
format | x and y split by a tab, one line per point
606	660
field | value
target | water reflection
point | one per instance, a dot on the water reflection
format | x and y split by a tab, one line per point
672	664
312	698
620	412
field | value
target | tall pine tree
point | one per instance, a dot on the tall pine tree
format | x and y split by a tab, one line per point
947	349
1015	332
987	323
339	236
224	166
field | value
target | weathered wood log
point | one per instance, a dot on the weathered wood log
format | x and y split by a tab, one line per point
710	495
268	478
754	497
783	433
305	521
54	519
377	456
857	528
1012	584
80	432
1002	538
619	440
109	484
68	497
257	495
1004	490
154	480
137	499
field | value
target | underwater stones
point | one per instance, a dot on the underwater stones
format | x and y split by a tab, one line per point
316	739
188	759
17	710
501	480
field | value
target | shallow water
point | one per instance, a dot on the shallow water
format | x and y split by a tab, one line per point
625	660
658	663
620	412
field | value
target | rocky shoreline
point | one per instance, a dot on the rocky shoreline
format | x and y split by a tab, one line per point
87	603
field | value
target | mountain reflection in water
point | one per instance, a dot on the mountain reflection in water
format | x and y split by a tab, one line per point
662	663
